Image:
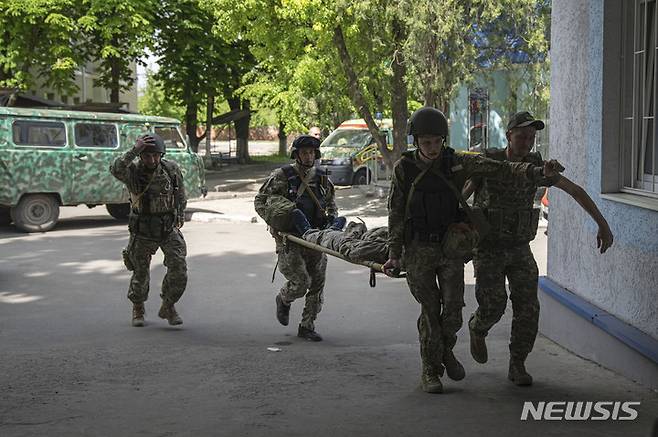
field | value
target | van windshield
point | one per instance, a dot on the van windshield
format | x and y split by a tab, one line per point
357	138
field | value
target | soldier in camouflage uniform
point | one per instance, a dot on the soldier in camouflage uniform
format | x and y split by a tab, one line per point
505	252
301	193
422	207
158	203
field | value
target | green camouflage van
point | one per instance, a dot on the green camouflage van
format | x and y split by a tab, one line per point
52	158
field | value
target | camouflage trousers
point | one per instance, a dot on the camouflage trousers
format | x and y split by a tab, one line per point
304	270
440	304
518	265
140	251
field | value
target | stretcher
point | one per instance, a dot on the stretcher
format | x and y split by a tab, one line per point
373	266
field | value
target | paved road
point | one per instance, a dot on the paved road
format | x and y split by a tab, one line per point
72	364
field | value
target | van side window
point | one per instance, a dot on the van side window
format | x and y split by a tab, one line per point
39	133
96	135
171	137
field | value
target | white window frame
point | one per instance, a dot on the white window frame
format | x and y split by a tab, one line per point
639	25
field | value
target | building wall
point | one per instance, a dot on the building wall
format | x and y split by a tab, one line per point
499	85
584	75
87	91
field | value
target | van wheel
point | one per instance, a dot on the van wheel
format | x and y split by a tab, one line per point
361	177
119	211
36	213
5	216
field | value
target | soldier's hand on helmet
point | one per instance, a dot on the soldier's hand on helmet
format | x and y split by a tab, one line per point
143	141
392	267
604	238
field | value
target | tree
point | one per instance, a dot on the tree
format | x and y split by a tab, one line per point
196	62
116	33
35	37
303	51
155	100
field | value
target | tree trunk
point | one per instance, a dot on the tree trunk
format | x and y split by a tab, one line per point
355	92
209	111
115	77
191	125
241	130
283	139
398	95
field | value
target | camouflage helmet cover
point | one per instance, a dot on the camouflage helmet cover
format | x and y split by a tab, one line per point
305	141
428	121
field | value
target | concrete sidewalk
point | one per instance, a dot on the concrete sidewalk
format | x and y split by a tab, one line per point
73	365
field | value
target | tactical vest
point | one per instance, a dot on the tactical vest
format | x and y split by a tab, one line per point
154	207
509	204
319	185
432	206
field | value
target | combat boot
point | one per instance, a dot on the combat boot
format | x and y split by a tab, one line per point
454	368
478	345
138	314
517	373
282	311
430	381
168	312
308	334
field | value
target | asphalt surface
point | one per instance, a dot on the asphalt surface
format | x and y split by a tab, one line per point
72	364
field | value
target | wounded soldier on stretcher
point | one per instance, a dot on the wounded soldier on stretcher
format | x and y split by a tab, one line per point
355	243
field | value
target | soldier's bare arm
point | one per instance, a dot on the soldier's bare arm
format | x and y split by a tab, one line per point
604	237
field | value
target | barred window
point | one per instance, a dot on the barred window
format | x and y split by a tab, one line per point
639	130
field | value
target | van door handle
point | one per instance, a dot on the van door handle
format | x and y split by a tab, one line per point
81	157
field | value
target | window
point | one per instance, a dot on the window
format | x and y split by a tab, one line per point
96	135
39	133
76	100
639	135
65	99
171	137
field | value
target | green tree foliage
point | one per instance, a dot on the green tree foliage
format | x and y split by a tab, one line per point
195	62
116	33
35	38
155	100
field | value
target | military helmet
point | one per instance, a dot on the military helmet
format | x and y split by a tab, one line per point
305	141
428	121
157	147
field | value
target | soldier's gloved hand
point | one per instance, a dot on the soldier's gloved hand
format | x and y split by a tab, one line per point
180	221
143	141
392	267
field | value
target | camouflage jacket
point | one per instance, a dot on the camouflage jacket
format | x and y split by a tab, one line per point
509	203
463	167
274	197
152	193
